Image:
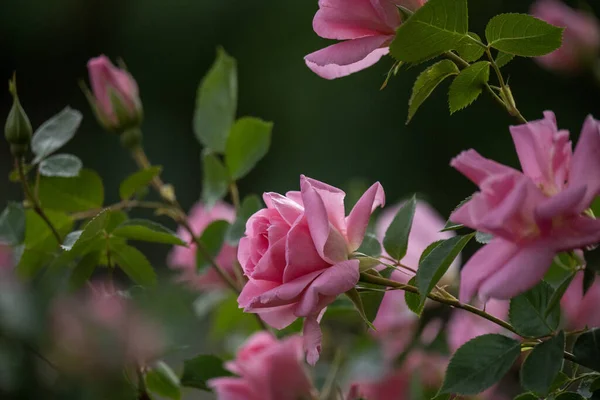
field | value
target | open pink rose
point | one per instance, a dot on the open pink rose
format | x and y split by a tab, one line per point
366	27
184	258
579	310
296	254
581	38
266	369
533	214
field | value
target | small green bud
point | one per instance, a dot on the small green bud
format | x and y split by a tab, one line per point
17	130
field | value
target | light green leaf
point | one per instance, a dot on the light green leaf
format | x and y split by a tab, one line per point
503	58
527	312
80	193
55	133
480	363
212	240
61	165
250	205
469	49
216	103
215	181
248	143
134	264
136	182
587	349
198	370
79	242
542	365
370	246
427	82
468	85
395	241
522	35
83	270
147	231
161	380
435	264
438	26
12	224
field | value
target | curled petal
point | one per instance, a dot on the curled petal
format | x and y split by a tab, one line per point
287	208
477	168
358	220
279	294
566	202
313	336
585	168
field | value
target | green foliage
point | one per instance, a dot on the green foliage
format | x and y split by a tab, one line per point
84	269
138	181
216	103
212	240
161	380
468	85
12	224
250	205
147	231
435	264
370	246
228	318
427	82
413	300
134	263
503	58
470	50
528	312
55	133
248	143
80	193
526	396
522	35
437	27
395	241
200	369
587	349
215	179
569	396
558	293
61	165
542	365
480	363
366	303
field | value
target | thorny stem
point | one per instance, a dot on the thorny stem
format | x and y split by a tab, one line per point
34	200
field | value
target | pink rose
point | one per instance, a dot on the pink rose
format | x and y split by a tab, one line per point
116	99
533	214
296	254
184	258
579	310
581	38
266	369
366	27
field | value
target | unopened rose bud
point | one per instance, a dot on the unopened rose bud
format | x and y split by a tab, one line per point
114	96
17	130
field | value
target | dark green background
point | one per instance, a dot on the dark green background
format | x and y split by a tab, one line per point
330	130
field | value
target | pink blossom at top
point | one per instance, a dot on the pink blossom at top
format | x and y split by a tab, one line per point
581	38
184	258
109	83
296	255
579	310
533	214
266	369
366	27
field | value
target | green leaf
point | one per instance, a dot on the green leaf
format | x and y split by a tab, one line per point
198	370
395	241
61	165
147	231
134	264
522	35
427	82
357	300
527	312
558	294
437	27
136	182
569	396
480	363
12	224
595	385
371	300
79	242
212	240
80	193
370	246
542	365
468	85
413	300
83	270
435	264
161	379
526	396
55	133
451	226
587	349
215	181
228	318
503	58
470	50
248	143
216	103
250	205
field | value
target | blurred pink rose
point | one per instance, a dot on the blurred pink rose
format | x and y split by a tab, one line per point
581	38
366	27
266	369
532	214
296	255
101	332
116	98
579	310
184	258
6	261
